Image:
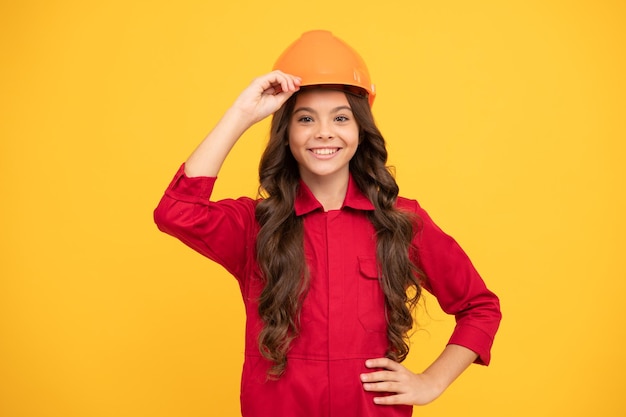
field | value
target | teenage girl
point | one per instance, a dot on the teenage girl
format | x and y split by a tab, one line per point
329	259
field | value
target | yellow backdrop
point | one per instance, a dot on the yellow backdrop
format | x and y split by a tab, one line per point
506	119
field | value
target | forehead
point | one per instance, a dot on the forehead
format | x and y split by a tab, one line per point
321	98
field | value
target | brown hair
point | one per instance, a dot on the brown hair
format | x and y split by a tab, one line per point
280	248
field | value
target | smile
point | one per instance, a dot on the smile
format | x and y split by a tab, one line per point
324	151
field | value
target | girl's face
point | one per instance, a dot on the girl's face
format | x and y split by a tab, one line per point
323	134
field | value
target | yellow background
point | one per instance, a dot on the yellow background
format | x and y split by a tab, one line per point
506	119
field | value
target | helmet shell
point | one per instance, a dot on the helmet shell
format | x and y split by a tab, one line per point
320	58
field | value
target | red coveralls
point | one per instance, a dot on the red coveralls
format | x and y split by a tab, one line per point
343	315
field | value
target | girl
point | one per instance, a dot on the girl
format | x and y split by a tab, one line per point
330	260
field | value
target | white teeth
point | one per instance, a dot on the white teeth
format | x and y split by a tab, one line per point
324	151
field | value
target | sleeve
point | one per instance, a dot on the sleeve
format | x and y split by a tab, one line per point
222	231
459	289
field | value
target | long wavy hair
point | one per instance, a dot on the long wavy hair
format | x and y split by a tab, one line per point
280	244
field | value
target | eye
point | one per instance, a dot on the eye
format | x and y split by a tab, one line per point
305	119
341	119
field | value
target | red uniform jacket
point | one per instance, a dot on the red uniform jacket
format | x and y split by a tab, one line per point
343	315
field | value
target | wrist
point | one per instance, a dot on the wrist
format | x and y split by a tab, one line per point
238	119
438	383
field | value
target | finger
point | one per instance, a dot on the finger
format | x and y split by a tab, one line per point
290	84
380	376
282	86
273	90
386	386
279	87
385	363
272	81
391	400
279	98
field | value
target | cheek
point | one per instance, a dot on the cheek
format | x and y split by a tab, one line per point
355	137
295	136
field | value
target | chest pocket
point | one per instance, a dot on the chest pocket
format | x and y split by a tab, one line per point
370	297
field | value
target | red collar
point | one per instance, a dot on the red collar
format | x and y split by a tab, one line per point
355	199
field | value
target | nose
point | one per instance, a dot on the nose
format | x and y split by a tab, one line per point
324	131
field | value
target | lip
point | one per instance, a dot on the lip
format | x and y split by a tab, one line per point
324	152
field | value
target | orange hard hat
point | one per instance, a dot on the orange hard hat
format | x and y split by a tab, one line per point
320	58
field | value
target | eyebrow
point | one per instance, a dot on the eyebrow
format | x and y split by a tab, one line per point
310	110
